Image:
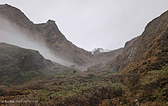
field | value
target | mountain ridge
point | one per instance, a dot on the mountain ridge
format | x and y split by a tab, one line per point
49	34
135	75
20	66
144	52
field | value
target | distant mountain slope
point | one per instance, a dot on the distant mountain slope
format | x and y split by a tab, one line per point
146	52
48	34
103	57
19	65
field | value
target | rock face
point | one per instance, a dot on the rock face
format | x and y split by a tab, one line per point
15	15
49	35
146	52
103	57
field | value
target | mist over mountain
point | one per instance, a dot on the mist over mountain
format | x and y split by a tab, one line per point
19	66
12	34
17	29
34	72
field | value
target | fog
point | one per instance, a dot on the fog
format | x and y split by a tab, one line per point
88	24
93	24
10	33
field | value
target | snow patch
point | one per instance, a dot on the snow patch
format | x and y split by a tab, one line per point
99	50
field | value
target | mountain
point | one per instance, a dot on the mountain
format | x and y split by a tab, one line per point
15	62
146	52
19	65
102	57
143	52
142	67
48	36
99	50
136	75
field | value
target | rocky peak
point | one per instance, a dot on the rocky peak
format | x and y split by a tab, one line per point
50	25
51	32
7	6
51	22
15	16
99	50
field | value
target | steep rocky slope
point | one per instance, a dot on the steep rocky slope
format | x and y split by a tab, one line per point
103	57
146	52
49	35
137	76
63	48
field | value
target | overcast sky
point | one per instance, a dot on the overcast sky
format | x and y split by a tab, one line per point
91	24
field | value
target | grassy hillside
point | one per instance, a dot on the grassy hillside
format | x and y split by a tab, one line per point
18	65
146	52
90	89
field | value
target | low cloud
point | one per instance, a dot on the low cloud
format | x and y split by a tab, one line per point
100	23
10	33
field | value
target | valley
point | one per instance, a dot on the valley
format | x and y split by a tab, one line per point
43	68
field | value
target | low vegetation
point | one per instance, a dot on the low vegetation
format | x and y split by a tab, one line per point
92	89
136	77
